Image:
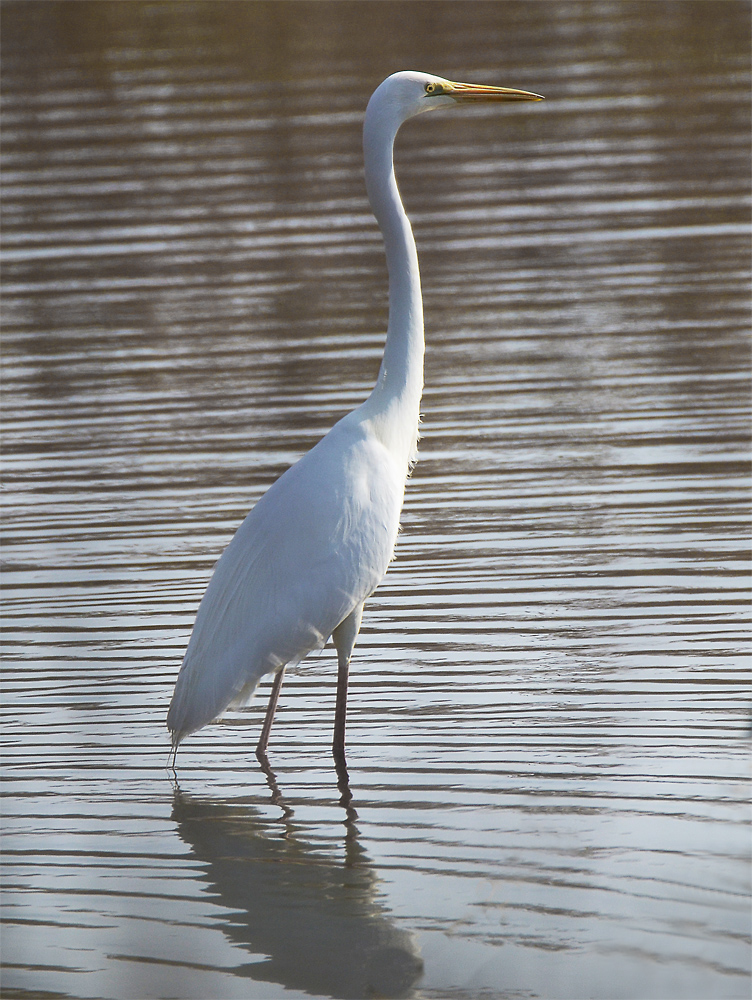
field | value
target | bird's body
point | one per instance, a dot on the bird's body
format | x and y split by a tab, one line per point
291	574
318	543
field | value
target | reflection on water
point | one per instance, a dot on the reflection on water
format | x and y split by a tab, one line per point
548	714
321	923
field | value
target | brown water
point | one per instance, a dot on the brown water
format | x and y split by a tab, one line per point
549	705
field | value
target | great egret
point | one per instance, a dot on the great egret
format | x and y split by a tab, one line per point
318	543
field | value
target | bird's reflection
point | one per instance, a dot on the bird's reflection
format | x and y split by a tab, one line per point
277	798
346	800
318	920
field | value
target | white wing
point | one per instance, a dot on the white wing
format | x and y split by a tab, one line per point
311	550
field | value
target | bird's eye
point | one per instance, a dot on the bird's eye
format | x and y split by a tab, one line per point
431	88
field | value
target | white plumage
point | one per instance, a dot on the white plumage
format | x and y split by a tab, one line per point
318	543
292	572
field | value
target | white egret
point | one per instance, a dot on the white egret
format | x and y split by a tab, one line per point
318	543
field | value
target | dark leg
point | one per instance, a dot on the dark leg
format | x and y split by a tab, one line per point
344	637
266	729
340	712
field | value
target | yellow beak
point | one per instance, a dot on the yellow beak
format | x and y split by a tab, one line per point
479	92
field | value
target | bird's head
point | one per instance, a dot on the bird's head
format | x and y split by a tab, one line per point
406	94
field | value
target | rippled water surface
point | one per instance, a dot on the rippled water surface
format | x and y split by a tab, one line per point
548	712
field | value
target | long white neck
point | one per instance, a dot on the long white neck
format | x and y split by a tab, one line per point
394	404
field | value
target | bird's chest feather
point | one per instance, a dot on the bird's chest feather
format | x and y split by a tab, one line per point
339	508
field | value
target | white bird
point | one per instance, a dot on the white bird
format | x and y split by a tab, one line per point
318	543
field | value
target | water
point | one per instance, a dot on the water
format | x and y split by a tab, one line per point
549	710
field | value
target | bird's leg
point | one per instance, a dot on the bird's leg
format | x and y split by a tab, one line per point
344	639
271	708
340	712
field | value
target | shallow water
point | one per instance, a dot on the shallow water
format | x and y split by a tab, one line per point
549	710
